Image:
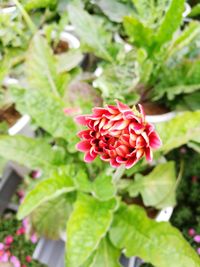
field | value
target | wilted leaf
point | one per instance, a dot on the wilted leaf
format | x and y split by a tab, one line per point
86	227
157	243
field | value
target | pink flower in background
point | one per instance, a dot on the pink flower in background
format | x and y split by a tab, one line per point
28	258
15	261
197	238
198	251
34	238
191	232
1	246
9	240
72	111
36	174
118	134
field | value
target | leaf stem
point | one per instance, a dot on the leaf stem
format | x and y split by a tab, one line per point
26	16
118	173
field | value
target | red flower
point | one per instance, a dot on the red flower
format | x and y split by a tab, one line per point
117	134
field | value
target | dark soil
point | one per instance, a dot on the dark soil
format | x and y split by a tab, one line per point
9	115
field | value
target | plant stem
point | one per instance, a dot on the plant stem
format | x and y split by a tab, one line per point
118	173
27	18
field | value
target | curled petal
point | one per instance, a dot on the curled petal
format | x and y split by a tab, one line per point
122	107
89	158
154	140
148	154
142	112
114	163
130	162
81	119
83	146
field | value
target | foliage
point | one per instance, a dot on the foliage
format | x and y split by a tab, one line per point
87	201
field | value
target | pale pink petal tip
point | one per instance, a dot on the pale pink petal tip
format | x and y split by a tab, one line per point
81	119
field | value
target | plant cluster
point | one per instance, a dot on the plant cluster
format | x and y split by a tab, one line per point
132	51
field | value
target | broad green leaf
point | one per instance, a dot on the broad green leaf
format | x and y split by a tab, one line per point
48	112
102	187
106	255
157	243
140	35
114	10
157	188
33	153
171	22
55	210
33	4
195	11
88	224
41	66
92	34
178	131
69	60
44	191
180	89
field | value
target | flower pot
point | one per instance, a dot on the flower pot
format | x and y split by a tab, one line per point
157	114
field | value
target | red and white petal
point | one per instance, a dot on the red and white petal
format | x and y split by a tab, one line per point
121	160
130	162
114	163
89	158
81	119
148	154
122	151
122	107
83	146
154	140
84	134
139	153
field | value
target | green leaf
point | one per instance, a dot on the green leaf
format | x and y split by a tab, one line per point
33	153
101	188
157	243
106	255
140	35
185	37
41	66
44	191
178	131
195	11
114	10
69	60
48	112
171	22
157	188
92	33
87	225
55	210
33	4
